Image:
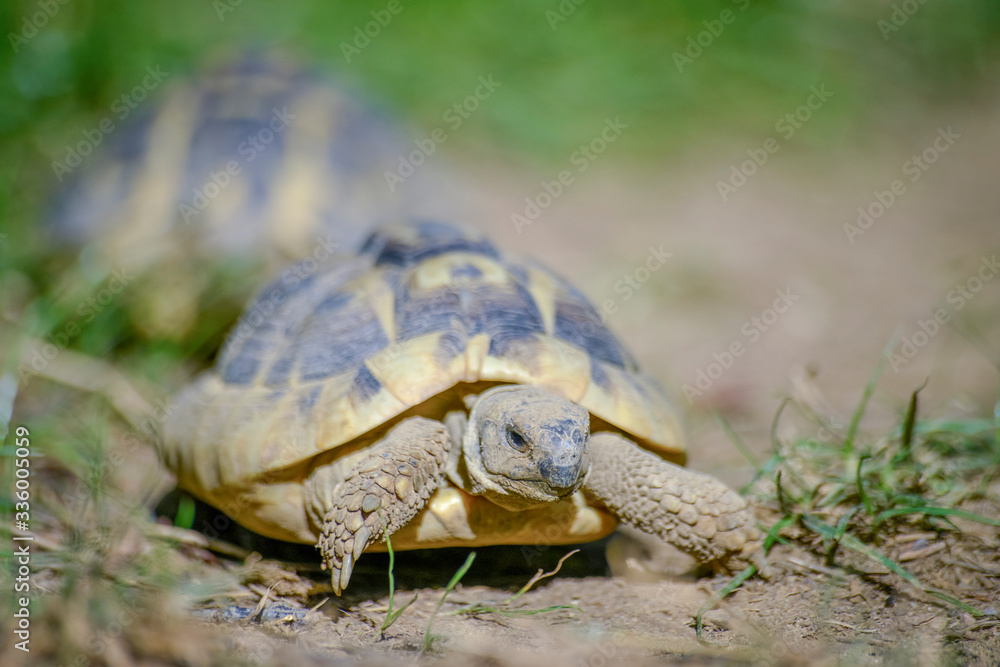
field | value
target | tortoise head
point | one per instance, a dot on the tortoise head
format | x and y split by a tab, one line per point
525	447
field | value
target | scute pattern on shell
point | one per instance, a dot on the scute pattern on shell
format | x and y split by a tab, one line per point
321	359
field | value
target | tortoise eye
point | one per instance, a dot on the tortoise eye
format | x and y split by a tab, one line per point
516	440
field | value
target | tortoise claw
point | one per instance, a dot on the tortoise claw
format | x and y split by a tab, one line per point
381	495
346	570
343	543
335	581
340	575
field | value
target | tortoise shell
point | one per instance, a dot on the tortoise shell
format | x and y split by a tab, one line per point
254	157
328	357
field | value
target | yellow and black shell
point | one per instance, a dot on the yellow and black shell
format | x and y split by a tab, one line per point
229	176
253	157
328	358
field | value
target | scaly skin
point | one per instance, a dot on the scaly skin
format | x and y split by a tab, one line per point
694	512
383	493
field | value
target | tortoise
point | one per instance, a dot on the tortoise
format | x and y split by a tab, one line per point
436	391
257	160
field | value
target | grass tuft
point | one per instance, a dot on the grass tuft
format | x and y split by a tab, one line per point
855	497
860	493
502	607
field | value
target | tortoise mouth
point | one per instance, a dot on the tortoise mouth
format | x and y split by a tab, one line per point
535	487
519	495
553	477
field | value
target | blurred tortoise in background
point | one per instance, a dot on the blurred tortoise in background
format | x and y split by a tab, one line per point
257	162
434	390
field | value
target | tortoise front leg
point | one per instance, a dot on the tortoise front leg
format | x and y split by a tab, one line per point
382	493
696	513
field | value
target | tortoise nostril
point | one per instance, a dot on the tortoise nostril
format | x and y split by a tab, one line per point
567	458
562	473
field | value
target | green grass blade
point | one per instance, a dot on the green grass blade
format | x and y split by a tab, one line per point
911	418
185	512
773	534
866	395
782	503
720	595
777	456
844	522
839	532
865	500
391	616
775	445
854	544
936	511
392	580
457	577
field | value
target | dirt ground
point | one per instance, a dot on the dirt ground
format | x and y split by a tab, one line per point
781	233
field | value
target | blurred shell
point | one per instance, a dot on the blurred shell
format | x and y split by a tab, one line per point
257	159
